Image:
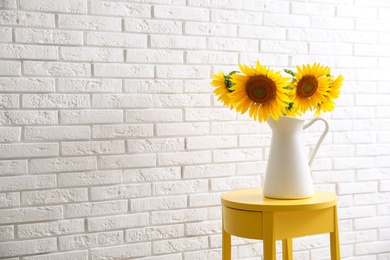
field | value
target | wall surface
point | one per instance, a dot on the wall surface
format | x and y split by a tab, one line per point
112	145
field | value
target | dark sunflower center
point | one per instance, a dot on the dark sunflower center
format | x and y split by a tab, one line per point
307	86
261	89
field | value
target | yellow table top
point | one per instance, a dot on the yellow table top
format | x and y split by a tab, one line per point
254	200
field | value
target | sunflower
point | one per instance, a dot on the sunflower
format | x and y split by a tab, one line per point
222	83
334	93
260	90
310	87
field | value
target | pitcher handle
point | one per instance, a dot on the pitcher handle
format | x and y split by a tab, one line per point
313	153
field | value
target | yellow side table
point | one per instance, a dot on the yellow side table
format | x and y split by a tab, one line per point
247	213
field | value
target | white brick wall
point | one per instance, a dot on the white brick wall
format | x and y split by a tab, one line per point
113	147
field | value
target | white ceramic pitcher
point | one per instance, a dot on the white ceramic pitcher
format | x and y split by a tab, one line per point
288	174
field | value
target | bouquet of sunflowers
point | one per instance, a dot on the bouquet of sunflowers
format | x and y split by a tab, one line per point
266	93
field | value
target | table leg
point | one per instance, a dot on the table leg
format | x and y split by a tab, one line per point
334	238
287	249
226	243
269	242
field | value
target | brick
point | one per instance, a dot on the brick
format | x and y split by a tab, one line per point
10	199
153	26
331	48
123	70
84	22
9	4
127	161
313	9
45	36
210	142
178	216
121	131
362	187
180	187
251	168
9	101
356	212
91	54
90	116
158	203
6	233
121	101
53	196
26	84
206	254
28	150
179	100
353	162
333	23
92	147
38	246
372	150
90	240
284	47
9	134
212	29
81	179
80	255
204	199
203	57
236	17
10	68
118	222
95	209
30	52
56	132
67	6
207	171
120	191
155	145
19	183
356	11
154	233
235	183
116	39
237	154
89	85
21	117
377	25
30	214
202	114
228	44
180	245
122	251
63	164
181	13
47	229
55	101
280	20
36	68
179	158
265	58
204	228
13	167
153	86
353	138
178	42
372	247
155	56
153	115
31	19
234	128
152	174
178	129
121	9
